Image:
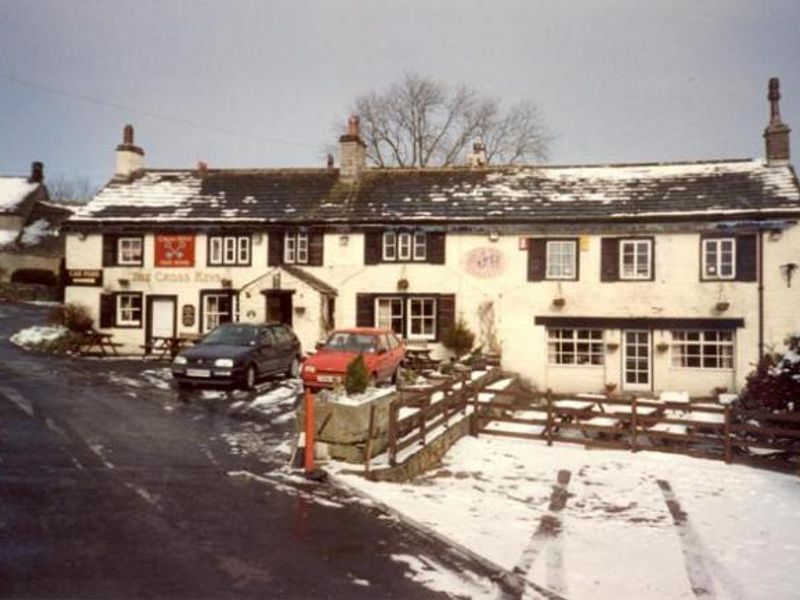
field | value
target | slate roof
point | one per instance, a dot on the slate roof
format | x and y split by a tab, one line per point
13	192
708	189
313	281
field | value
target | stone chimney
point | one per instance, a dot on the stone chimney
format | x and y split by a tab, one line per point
37	172
352	151
776	135
130	158
478	157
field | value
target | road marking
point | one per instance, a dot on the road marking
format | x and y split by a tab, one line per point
17	399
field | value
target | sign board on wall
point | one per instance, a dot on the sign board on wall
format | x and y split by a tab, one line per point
174	250
485	262
89	277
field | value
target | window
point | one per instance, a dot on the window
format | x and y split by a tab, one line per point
411	317
422	319
295	248
229	250
561	259
389	312
129	310
129	251
635	259
575	346
719	258
702	349
405	246
218	307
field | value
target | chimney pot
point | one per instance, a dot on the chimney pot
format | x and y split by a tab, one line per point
127	135
37	172
776	135
202	167
330	161
353	126
478	157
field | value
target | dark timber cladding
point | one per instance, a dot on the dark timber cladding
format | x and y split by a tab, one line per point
639	323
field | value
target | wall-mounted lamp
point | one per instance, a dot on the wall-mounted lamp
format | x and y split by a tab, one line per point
787	270
344	239
82	236
775	235
494	235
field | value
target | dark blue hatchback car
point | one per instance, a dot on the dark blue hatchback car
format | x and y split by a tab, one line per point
239	354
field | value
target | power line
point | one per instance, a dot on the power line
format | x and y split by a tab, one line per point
147	113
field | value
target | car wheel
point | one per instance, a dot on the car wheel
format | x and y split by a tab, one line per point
294	368
249	381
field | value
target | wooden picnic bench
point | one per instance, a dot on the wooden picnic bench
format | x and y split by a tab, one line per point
95	341
420	358
166	347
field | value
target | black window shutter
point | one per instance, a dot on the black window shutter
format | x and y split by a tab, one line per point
435	250
315	248
746	268
537	258
373	247
365	310
109	250
609	259
275	248
446	317
108	310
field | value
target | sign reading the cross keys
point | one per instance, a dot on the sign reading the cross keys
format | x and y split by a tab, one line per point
174	250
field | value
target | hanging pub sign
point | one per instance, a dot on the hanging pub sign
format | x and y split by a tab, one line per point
174	250
89	277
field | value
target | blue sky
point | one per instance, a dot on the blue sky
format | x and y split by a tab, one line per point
261	83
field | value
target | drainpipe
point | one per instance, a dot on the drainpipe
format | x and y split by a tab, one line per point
760	295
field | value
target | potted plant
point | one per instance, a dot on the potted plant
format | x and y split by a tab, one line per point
559	301
722	306
612	346
662	346
402	284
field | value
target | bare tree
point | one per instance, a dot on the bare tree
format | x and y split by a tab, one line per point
420	122
77	189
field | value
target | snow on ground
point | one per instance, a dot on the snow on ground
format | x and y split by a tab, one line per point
642	525
33	336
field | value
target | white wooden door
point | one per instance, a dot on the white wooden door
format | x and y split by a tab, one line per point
637	361
162	320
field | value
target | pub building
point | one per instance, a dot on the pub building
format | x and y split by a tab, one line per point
647	277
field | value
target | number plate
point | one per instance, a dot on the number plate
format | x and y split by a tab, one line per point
329	378
198	373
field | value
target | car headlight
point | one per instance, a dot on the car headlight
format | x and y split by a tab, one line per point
225	363
179	360
309	369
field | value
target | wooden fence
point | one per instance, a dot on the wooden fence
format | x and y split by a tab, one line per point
419	411
699	429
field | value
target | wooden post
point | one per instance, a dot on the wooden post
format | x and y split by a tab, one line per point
370	434
308	462
393	433
727	434
549	417
634	425
422	413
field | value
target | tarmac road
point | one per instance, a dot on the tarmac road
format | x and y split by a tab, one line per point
109	494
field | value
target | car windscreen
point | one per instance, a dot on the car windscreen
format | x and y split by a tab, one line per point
350	342
232	335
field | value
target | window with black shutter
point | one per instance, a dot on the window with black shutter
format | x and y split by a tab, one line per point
537	260
728	257
373	247
415	317
365	310
123	250
108	309
404	246
316	248
746	263
275	248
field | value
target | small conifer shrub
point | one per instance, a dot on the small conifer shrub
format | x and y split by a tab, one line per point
357	377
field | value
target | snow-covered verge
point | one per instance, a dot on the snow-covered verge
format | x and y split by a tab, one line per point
39	337
641	525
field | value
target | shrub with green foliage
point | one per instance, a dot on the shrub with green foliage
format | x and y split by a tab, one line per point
775	384
356	379
459	339
74	317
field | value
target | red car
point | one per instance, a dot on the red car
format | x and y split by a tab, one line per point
382	349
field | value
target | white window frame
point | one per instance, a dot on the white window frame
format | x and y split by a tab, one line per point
575	347
555	266
426	319
229	250
636	264
718	263
415	312
127	307
388	321
211	316
404	246
389	245
295	247
420	245
130	250
717	346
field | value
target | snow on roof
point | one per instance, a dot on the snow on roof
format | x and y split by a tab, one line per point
14	190
501	194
